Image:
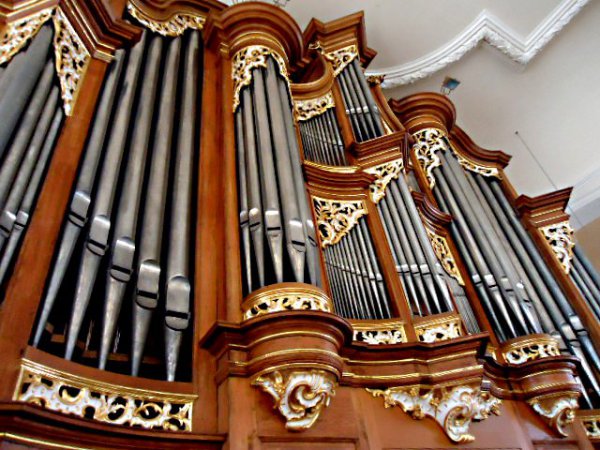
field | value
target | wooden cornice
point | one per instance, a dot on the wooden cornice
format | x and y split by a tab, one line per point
379	150
434	217
425	110
255	23
11	10
343	181
466	146
317	87
544	209
339	33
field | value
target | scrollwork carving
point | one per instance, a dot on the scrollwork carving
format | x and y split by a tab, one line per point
384	333
335	218
176	25
88	399
591	425
560	239
299	396
339	58
18	33
72	60
385	173
286	300
531	350
307	109
247	59
428	142
439	329
557	410
445	256
453	408
472	166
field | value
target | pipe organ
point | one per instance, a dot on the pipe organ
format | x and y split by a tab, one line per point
216	232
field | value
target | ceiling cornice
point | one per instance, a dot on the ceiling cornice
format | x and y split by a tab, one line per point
488	28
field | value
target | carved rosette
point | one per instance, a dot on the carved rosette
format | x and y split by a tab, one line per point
560	239
102	402
248	59
335	218
439	329
307	109
339	58
174	26
285	299
72	60
379	333
428	142
472	166
18	33
527	350
444	255
385	173
453	408
557	410
299	395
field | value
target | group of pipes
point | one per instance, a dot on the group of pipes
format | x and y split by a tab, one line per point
138	163
516	287
321	139
587	280
272	197
30	120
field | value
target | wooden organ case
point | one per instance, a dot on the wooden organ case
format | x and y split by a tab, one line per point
215	232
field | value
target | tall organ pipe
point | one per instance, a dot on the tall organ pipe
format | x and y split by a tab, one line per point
97	240
123	247
80	202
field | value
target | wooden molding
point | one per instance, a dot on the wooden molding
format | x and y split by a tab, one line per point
425	110
544	209
481	156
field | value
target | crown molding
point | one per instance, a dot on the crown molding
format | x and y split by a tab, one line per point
488	28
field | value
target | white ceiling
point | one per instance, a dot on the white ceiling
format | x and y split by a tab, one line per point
553	101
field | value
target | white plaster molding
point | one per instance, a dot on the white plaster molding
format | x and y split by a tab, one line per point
488	28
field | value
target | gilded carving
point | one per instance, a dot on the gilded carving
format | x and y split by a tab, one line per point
175	25
18	33
439	329
67	394
531	349
376	79
380	333
472	166
557	410
591	424
248	59
286	299
339	58
429	141
385	173
444	255
72	60
299	396
306	109
335	218
560	239
453	408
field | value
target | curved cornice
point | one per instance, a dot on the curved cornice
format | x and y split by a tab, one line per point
488	28
317	87
480	155
425	110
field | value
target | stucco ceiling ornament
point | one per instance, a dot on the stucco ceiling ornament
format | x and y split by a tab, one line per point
299	395
453	408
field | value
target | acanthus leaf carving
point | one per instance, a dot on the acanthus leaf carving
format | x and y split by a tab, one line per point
307	109
18	33
560	239
557	409
174	26
299	395
385	173
335	218
445	255
428	142
338	58
453	408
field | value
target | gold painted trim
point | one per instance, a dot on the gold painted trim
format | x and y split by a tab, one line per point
385	173
380	333
288	298
28	440
561	240
441	248
411	375
438	329
531	349
428	142
338	58
333	169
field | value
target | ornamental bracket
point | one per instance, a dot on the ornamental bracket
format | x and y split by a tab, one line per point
557	409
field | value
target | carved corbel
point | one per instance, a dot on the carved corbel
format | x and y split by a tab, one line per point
453	408
299	395
556	409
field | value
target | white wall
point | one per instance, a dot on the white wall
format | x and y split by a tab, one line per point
554	104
